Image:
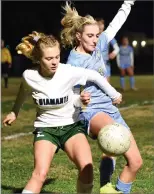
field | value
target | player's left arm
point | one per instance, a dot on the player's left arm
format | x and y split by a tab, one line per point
81	76
118	20
81	99
116	49
114	26
132	57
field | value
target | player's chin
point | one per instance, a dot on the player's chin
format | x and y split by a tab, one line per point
86	102
92	48
53	70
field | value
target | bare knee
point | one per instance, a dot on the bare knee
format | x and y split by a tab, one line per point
135	164
40	175
122	72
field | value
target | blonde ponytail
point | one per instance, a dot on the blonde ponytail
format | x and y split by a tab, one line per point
27	45
72	22
31	45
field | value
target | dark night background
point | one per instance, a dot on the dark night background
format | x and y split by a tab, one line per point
21	18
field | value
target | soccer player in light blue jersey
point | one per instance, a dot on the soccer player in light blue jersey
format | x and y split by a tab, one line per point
82	33
125	62
106	55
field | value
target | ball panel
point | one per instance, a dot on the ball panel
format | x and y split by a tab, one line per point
114	139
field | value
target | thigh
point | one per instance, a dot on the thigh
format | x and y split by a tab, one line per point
119	119
130	71
98	121
78	150
44	151
69	131
122	72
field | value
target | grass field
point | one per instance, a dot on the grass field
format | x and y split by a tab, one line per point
17	154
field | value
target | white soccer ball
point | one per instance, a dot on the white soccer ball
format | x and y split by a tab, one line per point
114	139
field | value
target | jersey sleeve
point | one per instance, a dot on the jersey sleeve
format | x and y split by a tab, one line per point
78	75
102	43
76	100
113	41
23	92
81	76
118	60
102	83
118	20
115	46
132	56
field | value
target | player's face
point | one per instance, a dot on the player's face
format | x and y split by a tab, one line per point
88	38
50	60
101	26
125	41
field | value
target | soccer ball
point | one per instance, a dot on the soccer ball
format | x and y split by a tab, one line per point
114	139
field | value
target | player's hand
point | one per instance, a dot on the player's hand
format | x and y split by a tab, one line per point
130	2
112	56
10	118
85	97
118	100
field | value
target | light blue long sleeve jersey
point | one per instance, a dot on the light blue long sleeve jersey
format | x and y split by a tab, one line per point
125	58
95	61
105	54
99	100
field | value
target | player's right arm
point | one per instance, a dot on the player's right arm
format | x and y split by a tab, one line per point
21	96
82	75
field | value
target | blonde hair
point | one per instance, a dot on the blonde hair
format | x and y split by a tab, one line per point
72	23
32	45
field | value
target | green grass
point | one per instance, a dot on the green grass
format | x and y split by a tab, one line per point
17	154
145	84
